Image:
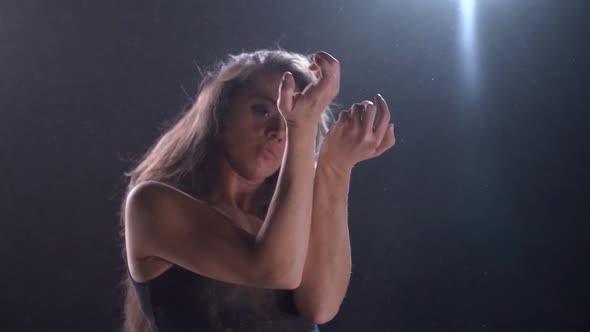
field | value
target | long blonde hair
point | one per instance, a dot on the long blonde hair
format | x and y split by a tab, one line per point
180	155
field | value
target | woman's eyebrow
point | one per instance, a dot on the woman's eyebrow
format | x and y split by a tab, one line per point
265	97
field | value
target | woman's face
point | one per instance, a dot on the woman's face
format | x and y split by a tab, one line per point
254	135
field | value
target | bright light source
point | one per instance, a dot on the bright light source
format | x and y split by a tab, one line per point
468	43
467	26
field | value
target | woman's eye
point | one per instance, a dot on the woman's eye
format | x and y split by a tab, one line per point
261	110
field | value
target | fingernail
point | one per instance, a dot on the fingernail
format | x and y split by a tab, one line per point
379	96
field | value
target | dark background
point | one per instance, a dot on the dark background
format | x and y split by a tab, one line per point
474	221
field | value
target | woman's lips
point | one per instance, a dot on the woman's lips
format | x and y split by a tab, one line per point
270	151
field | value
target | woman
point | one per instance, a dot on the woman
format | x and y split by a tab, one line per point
218	218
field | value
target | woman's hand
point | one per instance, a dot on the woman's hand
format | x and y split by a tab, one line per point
304	109
353	138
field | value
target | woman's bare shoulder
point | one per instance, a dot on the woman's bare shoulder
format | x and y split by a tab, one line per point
156	187
147	204
151	192
152	206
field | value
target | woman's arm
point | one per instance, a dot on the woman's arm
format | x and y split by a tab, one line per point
284	237
327	271
328	267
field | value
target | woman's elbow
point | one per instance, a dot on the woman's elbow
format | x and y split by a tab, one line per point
290	280
281	276
319	317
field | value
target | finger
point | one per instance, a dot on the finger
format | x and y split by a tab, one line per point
344	117
314	67
286	88
316	71
328	85
369	116
356	114
384	117
388	141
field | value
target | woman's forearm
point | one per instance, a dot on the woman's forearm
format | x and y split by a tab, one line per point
328	267
284	237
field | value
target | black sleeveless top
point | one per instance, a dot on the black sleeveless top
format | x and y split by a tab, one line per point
180	300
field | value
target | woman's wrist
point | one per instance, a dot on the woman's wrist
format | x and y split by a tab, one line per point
339	168
302	132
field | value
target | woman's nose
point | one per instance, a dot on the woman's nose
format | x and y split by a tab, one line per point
276	127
